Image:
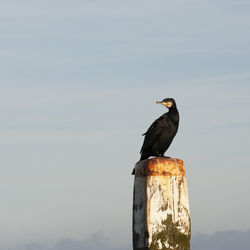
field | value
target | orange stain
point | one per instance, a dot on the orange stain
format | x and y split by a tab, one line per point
160	166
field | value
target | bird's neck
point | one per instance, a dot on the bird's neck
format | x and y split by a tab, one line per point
173	114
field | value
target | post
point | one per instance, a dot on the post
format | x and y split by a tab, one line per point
161	217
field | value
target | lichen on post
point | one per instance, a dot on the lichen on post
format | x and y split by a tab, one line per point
161	217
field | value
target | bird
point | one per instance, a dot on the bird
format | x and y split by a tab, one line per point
161	133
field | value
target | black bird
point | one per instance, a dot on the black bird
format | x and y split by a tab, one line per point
162	132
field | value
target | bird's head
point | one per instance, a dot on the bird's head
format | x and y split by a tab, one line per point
168	102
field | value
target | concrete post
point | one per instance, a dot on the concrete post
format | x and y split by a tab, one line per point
161	217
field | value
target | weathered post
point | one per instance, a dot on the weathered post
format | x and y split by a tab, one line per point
161	217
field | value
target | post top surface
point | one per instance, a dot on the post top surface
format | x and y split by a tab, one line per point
160	166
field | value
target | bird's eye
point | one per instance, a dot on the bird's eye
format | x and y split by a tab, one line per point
169	104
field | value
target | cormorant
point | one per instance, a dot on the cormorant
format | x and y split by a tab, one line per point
162	132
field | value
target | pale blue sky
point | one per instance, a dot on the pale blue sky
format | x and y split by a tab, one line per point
79	81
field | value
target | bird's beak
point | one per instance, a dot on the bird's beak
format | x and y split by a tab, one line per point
160	102
166	104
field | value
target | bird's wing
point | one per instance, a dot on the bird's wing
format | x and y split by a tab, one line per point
157	124
154	131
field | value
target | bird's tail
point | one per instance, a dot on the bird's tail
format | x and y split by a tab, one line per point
144	156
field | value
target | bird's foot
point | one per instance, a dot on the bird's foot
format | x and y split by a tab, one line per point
166	156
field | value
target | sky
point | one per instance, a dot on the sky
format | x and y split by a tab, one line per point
79	81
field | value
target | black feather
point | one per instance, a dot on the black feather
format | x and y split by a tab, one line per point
161	133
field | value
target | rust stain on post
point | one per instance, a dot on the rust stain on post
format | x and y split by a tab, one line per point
160	166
